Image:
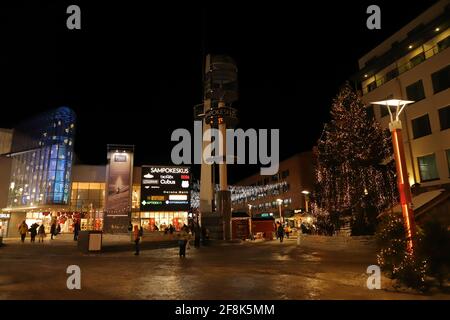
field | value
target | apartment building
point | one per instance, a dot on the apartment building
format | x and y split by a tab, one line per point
414	64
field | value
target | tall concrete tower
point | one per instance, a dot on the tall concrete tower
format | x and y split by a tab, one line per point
220	91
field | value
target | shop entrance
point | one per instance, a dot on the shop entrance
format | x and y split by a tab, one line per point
159	221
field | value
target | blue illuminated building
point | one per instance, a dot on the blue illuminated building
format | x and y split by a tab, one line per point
42	154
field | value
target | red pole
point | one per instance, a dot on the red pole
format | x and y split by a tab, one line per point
403	187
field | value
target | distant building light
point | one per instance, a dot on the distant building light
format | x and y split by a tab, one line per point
437	29
365	76
410	46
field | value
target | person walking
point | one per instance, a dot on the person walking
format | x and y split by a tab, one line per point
280	232
137	239
197	234
182	242
58	229
76	230
53	229
276	229
23	229
41	233
287	231
33	232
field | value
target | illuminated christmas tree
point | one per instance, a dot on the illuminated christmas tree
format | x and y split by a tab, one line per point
355	171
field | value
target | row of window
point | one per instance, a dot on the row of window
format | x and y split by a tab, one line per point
414	61
440	80
428	168
275	178
421	126
270	205
272	192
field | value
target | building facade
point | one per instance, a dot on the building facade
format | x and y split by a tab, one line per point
5	172
414	64
5	140
261	195
41	164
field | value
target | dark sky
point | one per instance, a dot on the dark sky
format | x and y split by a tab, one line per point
134	71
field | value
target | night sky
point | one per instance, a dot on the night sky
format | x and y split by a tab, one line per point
134	71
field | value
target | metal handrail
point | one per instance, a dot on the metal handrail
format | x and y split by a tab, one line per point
404	67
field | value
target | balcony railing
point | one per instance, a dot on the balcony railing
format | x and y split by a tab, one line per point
399	69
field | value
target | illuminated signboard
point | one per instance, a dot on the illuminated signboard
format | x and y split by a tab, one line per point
165	188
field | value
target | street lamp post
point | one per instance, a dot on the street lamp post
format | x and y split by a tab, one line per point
306	193
251	222
279	206
404	189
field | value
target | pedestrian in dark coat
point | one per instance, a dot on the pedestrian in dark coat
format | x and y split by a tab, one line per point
33	232
53	229
76	230
197	233
137	239
280	232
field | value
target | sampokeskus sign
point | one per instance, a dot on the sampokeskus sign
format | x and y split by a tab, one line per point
225	115
165	188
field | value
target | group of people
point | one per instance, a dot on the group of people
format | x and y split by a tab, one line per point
34	230
184	236
195	230
39	230
282	231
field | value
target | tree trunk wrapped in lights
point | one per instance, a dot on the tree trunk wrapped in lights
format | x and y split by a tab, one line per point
355	172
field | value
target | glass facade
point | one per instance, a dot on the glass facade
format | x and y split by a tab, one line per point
87	196
42	152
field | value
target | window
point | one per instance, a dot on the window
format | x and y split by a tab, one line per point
443	44
448	161
417	59
421	126
427	168
441	79
392	74
444	117
415	91
371	86
385	111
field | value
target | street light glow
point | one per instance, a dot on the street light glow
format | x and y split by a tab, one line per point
305	192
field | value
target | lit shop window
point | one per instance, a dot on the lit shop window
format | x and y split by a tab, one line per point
136	197
86	196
